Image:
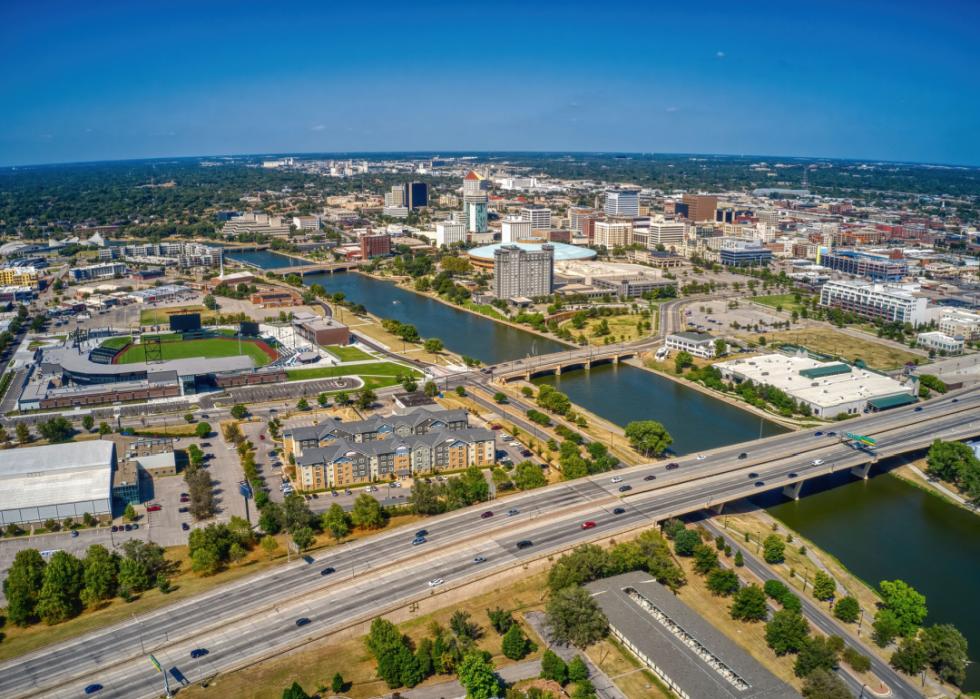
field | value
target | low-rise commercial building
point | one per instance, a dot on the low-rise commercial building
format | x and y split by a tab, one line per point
739	252
699	344
859	263
891	303
959	323
276	298
19	276
940	342
322	331
105	270
450	232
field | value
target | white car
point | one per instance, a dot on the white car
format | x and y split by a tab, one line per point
436	582
817	462
701	457
616	479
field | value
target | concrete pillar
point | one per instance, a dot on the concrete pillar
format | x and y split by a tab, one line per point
792	491
558	370
615	359
862	470
717	509
588	364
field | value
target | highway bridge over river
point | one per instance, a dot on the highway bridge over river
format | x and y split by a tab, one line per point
243	622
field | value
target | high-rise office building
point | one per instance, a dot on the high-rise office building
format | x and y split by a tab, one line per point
416	195
476	216
577	216
613	234
449	232
475	202
396	197
538	216
670	234
701	207
622	202
519	271
514	229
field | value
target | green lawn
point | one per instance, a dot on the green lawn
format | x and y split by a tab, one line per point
787	301
348	354
161	316
116	343
174	348
377	369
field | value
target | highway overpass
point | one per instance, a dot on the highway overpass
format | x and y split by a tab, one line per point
252	618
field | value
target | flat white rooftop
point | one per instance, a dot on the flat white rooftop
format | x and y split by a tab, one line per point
55	474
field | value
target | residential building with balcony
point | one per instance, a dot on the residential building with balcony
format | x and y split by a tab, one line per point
890	303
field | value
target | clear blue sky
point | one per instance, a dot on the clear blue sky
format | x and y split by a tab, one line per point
106	80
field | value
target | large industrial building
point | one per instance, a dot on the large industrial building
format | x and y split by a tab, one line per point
829	389
56	481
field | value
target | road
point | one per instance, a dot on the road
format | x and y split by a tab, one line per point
239	622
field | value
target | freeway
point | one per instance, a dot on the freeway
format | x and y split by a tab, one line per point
238	622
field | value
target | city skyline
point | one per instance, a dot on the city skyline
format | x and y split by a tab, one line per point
117	82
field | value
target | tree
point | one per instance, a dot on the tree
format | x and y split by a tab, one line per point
823	586
905	603
553	668
648	437
22	586
323	400
774	549
303	538
100	576
337	522
721	347
847	609
818	653
786	631
302	404
822	684
682	361
949	461
367	513
528	475
433	345
739	559
342	398
477	676
210	302
578	671
337	684
104	428
723	582
202	430
239	411
573	616
366	398
88	422
430	389
705	559
946	648
686	542
60	596
463	628
501	620
749	604
23	433
910	657
885	627
205	561
129	513
409	384
56	430
499	397
515	644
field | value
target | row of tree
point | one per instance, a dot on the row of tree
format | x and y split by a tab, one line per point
955	462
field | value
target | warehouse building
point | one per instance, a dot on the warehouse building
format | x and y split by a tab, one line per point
56	481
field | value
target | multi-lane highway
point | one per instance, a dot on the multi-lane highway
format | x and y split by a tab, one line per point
240	622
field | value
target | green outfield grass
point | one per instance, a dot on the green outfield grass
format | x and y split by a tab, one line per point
348	354
173	347
376	369
116	343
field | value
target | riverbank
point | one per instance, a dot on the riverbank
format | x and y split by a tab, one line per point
914	473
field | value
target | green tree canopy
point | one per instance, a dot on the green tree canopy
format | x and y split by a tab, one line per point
648	437
573	616
749	604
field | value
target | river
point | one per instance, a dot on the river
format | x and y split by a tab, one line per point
881	529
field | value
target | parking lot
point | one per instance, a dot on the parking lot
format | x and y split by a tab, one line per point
716	318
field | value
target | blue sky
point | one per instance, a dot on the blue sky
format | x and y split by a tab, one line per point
104	80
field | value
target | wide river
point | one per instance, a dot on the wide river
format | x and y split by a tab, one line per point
881	529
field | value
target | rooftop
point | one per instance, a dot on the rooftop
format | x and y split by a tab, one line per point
56	473
562	251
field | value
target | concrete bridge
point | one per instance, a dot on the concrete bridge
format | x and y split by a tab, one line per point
555	363
330	267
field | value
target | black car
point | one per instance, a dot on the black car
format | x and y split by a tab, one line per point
327	571
753	475
818	433
955	400
649	477
625	488
422	532
793	475
759	484
199	652
743	455
302	621
619	511
918	408
525	543
185	526
831	434
93	688
672	465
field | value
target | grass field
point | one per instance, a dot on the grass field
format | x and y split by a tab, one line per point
833	343
621	328
377	369
348	354
787	302
173	347
116	343
161	316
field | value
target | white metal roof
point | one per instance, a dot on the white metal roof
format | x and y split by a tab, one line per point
56	473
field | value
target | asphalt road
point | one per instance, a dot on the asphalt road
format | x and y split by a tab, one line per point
386	570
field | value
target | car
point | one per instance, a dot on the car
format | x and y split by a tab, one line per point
93	688
616	479
701	457
422	532
526	453
817	462
753	474
831	434
525	543
262	437
185	499
619	511
792	475
649	477
302	621
955	400
346	491
394	485
672	465
818	433
185	526
135	526
185	495
759	484
743	455
625	488
115	528
479	559
199	652
315	496
154	508
328	570
918	408
335	493
588	524
418	540
183	509
486	515
496	427
436	582
74	533
129	527
512	512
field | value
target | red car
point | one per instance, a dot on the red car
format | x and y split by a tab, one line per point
496	427
261	436
486	515
589	524
154	508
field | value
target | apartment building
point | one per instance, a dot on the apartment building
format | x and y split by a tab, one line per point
519	272
613	234
891	303
19	276
421	441
375	245
106	270
959	323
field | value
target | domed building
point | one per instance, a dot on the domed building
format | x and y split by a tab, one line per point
482	257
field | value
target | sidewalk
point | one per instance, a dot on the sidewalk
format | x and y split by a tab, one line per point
454	690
